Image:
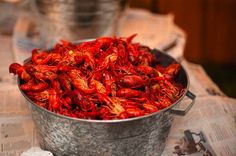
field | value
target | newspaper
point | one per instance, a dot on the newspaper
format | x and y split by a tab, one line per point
200	83
17	132
148	27
153	30
209	128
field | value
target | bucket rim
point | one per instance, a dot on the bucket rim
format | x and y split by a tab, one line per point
113	120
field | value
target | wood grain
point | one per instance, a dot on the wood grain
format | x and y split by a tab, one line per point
210	26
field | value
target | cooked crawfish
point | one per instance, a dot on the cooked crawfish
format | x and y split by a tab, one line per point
128	93
20	70
104	79
132	81
42	72
33	86
79	82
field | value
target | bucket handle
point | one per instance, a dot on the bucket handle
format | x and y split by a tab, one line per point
183	112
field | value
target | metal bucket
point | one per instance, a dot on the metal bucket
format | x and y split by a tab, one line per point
78	19
140	136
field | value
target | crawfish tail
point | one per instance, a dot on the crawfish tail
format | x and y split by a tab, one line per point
128	93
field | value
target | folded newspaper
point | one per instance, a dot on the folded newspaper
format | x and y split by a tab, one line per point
208	129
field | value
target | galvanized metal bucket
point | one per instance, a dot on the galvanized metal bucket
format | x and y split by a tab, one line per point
78	19
140	136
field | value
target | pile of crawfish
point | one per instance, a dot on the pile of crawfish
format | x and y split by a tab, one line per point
107	78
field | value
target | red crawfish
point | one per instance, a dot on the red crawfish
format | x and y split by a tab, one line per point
69	58
129	110
140	99
92	47
55	84
93	75
67	45
128	93
121	70
99	87
121	51
144	48
65	81
130	38
86	105
39	96
170	90
163	102
109	82
146	58
79	82
105	42
109	59
53	101
154	91
86	57
159	89
45	57
104	113
42	72
20	70
66	102
39	57
49	95
127	103
32	86
147	70
55	58
132	49
114	106
81	100
168	72
132	81
134	112
172	69
133	53
149	108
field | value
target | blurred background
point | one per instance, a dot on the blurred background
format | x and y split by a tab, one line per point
210	26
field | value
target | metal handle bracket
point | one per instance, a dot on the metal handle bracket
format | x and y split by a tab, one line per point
183	112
